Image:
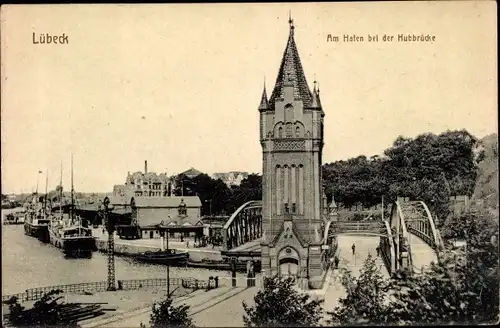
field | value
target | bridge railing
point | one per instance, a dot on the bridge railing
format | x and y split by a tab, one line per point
377	227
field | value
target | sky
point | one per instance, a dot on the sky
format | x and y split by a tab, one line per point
179	85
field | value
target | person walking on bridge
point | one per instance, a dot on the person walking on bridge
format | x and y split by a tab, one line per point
353	249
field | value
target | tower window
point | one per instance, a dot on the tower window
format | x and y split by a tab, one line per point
294	208
288	130
286	208
289	113
280	132
297	132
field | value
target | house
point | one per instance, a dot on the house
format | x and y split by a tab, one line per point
233	178
145	184
181	214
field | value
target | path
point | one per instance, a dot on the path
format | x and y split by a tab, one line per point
220	307
333	289
422	254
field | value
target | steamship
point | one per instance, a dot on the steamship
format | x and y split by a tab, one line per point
68	233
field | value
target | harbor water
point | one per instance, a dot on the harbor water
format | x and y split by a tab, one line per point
29	263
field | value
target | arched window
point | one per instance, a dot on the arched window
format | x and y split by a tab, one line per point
288	113
280	132
286	208
297	132
294	208
289	130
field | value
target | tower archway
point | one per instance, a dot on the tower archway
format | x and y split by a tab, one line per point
288	262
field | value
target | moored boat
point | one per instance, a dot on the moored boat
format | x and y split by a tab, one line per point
73	239
14	218
172	257
69	234
36	220
220	265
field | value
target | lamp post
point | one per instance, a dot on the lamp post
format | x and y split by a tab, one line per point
110	227
210	217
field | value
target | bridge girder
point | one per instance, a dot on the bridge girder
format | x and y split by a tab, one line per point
245	225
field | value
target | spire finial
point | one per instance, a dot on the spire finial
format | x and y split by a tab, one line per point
290	20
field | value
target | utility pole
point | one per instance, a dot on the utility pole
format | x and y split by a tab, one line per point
110	226
168	265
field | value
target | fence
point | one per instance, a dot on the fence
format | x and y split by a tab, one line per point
34	294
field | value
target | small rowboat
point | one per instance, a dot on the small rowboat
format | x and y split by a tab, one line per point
171	257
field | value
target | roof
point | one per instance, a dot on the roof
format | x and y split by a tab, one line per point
264	103
172	201
192	172
98	206
119	200
291	71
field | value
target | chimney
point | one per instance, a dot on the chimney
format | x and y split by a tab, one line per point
145	167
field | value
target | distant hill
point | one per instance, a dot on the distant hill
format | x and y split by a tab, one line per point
486	189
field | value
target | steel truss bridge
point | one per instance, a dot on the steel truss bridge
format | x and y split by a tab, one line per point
408	238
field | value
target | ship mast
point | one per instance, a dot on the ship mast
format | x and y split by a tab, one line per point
72	192
45	199
60	194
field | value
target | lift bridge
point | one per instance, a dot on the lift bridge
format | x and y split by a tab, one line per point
408	238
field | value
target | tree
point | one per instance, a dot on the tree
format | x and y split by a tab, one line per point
165	314
279	304
365	299
450	292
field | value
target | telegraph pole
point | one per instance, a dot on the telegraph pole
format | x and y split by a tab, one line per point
168	266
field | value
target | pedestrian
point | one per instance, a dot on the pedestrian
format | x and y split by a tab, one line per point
336	260
378	251
187	243
353	249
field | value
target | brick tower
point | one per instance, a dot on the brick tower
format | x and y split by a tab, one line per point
291	135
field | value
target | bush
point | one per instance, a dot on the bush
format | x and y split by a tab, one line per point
165	314
279	304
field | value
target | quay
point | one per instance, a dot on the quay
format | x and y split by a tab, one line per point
127	247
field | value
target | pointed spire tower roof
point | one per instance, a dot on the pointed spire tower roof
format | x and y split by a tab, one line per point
315	103
264	103
291	72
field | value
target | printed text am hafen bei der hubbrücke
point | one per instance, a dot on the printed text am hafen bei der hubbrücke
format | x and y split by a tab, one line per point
381	38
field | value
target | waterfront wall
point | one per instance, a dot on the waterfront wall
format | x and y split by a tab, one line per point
129	249
34	294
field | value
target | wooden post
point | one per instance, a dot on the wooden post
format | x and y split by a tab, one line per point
233	271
